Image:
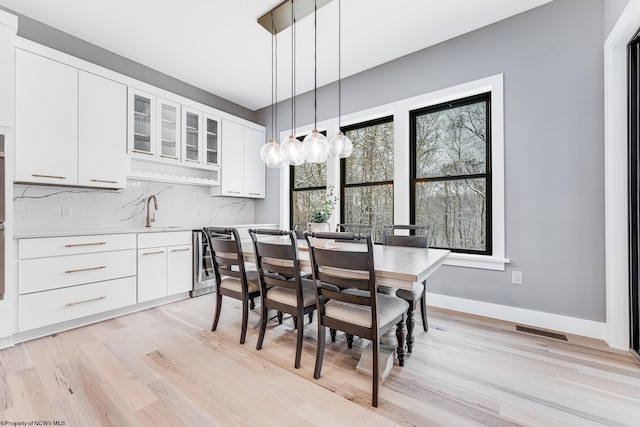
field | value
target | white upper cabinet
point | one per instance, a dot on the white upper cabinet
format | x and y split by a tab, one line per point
253	164
8	28
192	136
211	146
232	180
46	119
142	123
169	130
70	125
242	169
102	132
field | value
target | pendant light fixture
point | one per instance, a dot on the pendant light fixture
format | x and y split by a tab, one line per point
315	144
292	151
271	152
340	145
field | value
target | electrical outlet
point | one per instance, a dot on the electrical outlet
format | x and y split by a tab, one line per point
516	277
201	212
67	211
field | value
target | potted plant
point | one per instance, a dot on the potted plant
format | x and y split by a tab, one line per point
322	212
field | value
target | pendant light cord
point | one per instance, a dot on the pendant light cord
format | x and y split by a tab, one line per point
315	65
274	86
339	62
293	70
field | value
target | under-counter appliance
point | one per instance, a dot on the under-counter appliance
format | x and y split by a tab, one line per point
204	280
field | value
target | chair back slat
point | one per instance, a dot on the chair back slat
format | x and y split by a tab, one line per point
343	281
419	237
339	259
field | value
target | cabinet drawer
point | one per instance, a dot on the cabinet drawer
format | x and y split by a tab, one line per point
43	274
47	308
71	245
170	238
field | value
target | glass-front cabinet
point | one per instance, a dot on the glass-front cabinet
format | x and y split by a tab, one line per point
191	136
212	142
169	130
141	123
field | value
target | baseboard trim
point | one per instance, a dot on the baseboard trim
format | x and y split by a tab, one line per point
555	322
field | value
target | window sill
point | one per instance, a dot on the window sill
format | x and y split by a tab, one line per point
484	262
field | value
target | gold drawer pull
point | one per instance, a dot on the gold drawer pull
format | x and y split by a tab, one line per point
37	175
73	245
104	181
69	304
153	253
180	250
86	269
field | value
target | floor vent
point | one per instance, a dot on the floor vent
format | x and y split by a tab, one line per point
542	333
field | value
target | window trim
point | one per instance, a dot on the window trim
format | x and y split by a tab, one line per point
414	180
400	110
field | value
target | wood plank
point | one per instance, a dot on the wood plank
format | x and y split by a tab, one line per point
165	367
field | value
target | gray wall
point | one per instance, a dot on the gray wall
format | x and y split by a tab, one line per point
612	11
552	60
40	33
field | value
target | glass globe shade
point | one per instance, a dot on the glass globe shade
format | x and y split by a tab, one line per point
292	152
315	147
271	154
340	146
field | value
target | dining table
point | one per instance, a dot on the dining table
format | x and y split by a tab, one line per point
396	267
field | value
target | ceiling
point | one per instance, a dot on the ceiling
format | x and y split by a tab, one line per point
218	45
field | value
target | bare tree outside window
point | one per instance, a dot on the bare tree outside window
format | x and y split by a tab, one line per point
451	176
309	184
367	176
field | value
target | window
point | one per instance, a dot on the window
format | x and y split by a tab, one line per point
451	173
308	186
367	176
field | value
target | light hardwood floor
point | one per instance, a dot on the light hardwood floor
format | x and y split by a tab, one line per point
163	367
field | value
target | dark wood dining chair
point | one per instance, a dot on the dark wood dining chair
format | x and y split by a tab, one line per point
281	286
359	230
347	299
232	278
418	238
300	228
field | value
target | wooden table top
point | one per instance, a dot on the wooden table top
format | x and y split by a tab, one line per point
395	266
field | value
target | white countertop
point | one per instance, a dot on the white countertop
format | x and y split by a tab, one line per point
115	230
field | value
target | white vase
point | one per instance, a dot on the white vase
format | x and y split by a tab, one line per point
317	227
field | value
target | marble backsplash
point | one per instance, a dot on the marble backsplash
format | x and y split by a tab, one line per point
39	208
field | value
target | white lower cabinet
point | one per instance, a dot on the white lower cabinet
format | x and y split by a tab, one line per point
66	278
179	269
50	307
164	264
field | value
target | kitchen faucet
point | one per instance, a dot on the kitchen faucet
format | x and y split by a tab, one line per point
151	219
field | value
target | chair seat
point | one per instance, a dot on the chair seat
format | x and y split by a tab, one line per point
233	284
413	294
389	308
288	296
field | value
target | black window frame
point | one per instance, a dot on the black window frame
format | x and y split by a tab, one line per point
413	181
292	188
343	163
